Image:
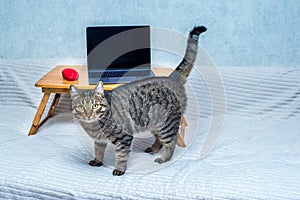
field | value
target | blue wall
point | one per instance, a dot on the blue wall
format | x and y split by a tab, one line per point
240	33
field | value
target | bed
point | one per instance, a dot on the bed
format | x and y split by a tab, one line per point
256	157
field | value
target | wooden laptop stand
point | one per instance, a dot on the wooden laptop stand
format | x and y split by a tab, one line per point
53	82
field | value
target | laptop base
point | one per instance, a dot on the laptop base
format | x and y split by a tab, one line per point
117	80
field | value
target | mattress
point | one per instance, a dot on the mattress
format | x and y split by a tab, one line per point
254	155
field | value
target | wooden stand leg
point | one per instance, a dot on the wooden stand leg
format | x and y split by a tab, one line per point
180	140
39	114
51	110
36	122
54	104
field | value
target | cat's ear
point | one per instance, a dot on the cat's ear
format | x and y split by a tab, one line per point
99	91
73	91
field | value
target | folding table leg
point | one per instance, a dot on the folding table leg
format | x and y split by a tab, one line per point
54	104
180	140
39	113
51	110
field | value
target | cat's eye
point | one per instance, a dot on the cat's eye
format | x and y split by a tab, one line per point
81	107
95	106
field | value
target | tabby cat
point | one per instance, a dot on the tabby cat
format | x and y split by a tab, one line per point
155	104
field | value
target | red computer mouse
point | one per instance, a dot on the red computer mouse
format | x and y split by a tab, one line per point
70	74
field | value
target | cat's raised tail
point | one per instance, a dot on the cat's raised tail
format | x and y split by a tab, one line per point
185	67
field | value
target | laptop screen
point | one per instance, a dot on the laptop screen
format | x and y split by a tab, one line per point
118	47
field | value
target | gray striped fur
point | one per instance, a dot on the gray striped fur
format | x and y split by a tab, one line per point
155	104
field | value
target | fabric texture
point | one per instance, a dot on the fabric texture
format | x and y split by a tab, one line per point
256	157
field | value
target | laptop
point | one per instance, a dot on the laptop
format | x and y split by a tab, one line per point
118	54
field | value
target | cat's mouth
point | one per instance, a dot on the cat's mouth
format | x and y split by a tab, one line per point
89	120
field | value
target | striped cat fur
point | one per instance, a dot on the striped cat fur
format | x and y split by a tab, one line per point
153	104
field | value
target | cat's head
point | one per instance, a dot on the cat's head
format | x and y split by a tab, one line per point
88	105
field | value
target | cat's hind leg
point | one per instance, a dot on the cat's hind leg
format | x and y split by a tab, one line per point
169	141
156	146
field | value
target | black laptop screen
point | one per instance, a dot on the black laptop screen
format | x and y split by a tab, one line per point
118	47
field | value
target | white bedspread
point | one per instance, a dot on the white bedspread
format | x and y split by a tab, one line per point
257	156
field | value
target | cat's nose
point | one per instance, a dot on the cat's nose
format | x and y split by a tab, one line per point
89	114
88	117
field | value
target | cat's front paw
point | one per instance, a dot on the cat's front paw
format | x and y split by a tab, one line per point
95	163
118	172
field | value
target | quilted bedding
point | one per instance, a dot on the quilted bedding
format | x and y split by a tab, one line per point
256	157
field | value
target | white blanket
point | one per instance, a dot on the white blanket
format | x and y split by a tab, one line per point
257	156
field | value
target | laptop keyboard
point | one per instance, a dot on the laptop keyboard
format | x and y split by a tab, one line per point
118	76
119	73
